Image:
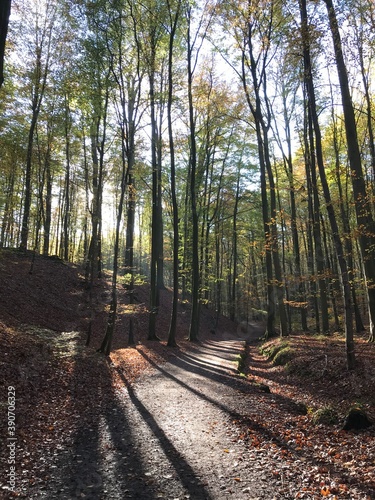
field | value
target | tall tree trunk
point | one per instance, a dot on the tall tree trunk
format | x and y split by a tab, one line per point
269	218
92	269
301	298
173	321
368	99
155	229
316	229
111	321
280	286
311	259
194	319
4	20
349	250
346	290
365	221
129	248
48	205
8	210
27	190
233	305
40	74
66	216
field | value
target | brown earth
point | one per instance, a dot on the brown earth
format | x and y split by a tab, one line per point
203	431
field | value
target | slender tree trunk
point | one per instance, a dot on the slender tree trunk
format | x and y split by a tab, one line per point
194	320
8	209
155	229
159	213
173	321
92	269
66	216
293	214
40	73
48	205
219	275
233	309
27	191
369	112
316	229
111	322
269	222
280	286
311	259
349	249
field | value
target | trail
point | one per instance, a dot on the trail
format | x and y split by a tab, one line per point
171	436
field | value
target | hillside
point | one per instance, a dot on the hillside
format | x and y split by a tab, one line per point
44	319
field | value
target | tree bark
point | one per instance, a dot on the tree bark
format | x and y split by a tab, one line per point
155	229
173	321
346	290
4	21
194	319
365	221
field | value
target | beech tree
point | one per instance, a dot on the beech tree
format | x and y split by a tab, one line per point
202	144
365	221
42	40
126	70
313	116
252	29
4	21
173	21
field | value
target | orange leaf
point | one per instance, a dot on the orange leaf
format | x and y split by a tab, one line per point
325	491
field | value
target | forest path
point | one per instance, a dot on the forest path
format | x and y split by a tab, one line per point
172	436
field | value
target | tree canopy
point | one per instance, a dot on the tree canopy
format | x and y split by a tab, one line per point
223	149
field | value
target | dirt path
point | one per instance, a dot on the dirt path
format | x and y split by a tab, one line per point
171	436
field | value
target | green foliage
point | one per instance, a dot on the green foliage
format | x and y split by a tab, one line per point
138	280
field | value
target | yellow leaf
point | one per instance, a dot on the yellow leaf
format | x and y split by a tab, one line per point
325	491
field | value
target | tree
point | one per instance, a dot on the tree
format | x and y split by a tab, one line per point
194	44
42	47
365	221
286	80
255	35
4	21
125	57
96	90
346	289
173	20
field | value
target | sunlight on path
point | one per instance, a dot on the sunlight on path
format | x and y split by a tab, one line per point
171	436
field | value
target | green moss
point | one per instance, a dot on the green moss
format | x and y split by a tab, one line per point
326	416
241	362
271	350
284	356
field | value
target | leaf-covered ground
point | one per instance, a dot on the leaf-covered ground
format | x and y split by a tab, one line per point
61	385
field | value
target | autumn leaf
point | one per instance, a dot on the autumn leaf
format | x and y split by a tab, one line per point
325	491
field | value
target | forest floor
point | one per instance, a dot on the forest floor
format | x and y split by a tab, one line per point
154	422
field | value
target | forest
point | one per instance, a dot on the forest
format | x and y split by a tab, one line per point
222	150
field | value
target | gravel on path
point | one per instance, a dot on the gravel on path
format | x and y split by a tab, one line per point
170	436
